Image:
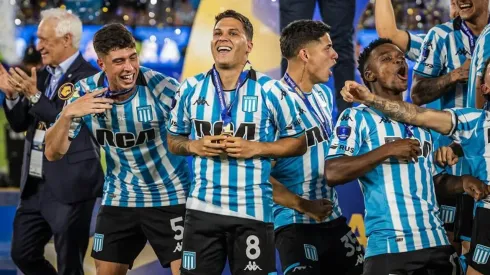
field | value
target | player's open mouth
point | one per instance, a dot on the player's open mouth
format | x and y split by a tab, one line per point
224	49
402	73
465	6
127	79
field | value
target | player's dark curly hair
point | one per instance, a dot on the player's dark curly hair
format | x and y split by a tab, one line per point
111	37
298	33
247	26
364	56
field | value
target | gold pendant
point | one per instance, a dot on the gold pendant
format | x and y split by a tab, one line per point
227	131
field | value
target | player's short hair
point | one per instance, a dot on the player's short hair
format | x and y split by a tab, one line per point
484	72
112	37
247	26
299	33
364	56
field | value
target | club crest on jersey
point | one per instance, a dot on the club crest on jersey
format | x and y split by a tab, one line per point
481	254
66	91
145	113
189	260
310	252
343	132
249	103
98	242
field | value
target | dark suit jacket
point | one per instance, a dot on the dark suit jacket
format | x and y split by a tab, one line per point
78	176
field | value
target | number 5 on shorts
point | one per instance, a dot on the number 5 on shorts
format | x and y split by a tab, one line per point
178	229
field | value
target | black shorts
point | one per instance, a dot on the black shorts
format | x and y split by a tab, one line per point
122	232
448	212
210	238
463	224
480	242
441	260
316	248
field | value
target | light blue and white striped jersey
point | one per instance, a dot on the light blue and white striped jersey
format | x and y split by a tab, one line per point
471	128
401	208
226	185
460	168
414	46
141	172
304	175
478	59
446	47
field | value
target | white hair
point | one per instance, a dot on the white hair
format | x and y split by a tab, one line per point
67	23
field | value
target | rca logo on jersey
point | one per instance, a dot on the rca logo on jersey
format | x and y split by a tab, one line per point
249	103
123	140
245	130
310	252
343	132
314	136
189	260
98	242
145	114
481	254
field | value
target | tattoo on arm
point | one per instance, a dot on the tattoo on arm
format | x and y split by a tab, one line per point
398	110
179	145
429	89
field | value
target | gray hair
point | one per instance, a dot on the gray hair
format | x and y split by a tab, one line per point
67	23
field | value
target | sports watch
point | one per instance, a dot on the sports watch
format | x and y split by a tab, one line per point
33	99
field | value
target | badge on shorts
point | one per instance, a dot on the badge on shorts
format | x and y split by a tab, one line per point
310	252
66	91
189	260
98	242
481	254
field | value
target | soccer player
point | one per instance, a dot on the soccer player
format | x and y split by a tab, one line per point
126	107
476	97
393	162
232	114
467	126
307	246
442	69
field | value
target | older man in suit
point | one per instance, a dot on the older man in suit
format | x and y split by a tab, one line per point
57	198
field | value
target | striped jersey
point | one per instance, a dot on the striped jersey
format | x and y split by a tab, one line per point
304	175
401	208
141	172
478	59
414	46
446	47
471	128
460	168
225	185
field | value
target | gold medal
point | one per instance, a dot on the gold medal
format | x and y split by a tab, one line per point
227	131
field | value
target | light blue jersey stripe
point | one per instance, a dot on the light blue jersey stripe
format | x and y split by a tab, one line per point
414	46
478	59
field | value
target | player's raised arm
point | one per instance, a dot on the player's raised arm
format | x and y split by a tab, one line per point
66	127
439	121
384	17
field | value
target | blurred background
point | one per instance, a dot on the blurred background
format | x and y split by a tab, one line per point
173	38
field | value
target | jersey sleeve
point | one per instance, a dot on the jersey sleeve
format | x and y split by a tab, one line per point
179	122
349	134
283	110
414	46
478	61
465	123
433	56
166	89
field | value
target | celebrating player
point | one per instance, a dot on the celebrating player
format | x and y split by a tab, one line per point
393	162
126	107
307	246
233	114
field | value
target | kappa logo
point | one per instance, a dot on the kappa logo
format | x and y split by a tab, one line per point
346	118
385	120
283	94
462	51
201	101
178	247
252	266
301	111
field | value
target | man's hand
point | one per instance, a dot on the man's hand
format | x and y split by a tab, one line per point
318	210
88	104
461	74
404	149
240	148
5	82
23	83
355	92
208	146
446	156
474	187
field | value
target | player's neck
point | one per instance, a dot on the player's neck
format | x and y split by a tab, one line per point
478	24
300	76
387	93
124	97
229	76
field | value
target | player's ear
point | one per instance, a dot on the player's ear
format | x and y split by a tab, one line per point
250	45
303	55
369	75
485	89
101	64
